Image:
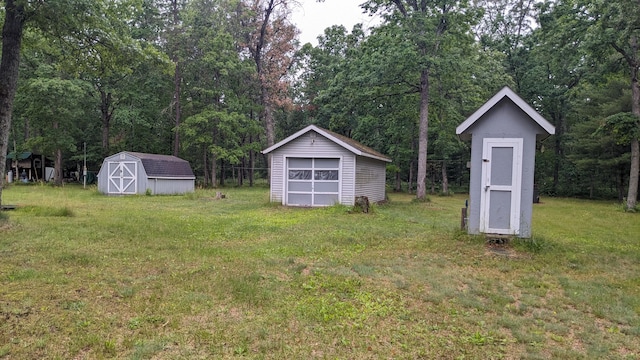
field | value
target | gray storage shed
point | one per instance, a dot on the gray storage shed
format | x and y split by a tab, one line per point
127	173
317	167
503	135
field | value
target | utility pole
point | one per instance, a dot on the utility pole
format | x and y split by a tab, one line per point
84	167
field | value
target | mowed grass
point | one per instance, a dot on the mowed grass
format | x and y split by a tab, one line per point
87	276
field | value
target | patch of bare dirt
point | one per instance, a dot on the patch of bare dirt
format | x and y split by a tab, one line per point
501	250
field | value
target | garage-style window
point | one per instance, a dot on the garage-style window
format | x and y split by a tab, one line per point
313	181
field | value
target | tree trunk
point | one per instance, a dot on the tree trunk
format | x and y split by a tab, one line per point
205	168
177	80
410	185
445	179
213	170
252	163
398	186
421	191
9	65
620	182
106	112
558	151
57	164
269	121
269	126
221	173
632	196
267	112
433	179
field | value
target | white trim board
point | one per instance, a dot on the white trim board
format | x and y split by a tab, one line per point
506	92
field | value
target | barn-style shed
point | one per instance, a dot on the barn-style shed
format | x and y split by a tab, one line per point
503	135
317	167
127	173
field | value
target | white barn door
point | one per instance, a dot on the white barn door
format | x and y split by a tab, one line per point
123	176
501	184
312	181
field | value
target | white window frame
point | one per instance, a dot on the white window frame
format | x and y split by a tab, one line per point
313	181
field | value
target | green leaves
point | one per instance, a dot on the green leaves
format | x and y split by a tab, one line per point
55	107
623	126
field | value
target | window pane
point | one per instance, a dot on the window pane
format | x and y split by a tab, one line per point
300	186
299	174
325	199
300	163
327	163
326	187
500	212
501	166
299	199
326	175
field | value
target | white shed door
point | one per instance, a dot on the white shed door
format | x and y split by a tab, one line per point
312	181
123	177
501	183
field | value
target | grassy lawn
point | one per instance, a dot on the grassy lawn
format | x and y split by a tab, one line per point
88	276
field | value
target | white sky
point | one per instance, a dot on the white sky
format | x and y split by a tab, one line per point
313	17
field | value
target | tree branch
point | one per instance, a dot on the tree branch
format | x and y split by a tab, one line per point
624	54
400	7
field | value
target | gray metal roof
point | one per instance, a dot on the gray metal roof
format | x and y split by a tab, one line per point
156	165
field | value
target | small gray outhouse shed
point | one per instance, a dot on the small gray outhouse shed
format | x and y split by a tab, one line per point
503	135
127	173
317	167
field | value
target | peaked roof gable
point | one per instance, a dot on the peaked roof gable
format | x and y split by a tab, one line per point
347	143
156	165
510	94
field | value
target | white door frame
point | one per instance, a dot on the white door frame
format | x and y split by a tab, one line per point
121	177
488	144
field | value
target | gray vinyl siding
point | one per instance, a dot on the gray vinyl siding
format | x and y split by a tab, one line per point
307	147
160	186
348	178
504	120
370	179
277	177
143	179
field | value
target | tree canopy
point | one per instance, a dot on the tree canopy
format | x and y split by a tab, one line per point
216	81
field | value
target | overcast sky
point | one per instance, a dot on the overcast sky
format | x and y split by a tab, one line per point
313	17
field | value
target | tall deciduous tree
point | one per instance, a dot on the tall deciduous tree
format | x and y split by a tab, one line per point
175	50
505	27
103	52
321	69
217	120
12	30
430	27
617	27
270	41
55	108
556	63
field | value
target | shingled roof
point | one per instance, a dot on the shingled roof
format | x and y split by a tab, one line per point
348	143
169	166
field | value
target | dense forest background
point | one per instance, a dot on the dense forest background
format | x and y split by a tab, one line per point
216	81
